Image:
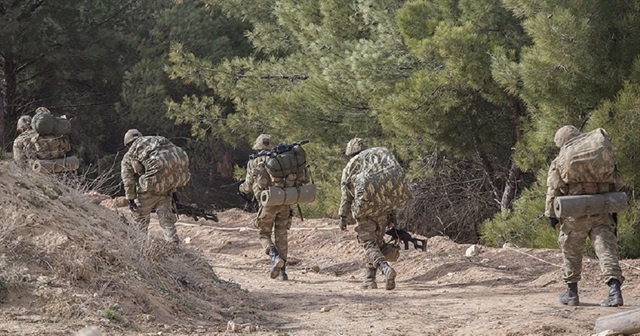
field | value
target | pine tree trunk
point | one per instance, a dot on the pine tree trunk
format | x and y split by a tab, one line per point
511	185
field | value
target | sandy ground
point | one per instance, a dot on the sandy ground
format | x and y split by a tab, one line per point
500	291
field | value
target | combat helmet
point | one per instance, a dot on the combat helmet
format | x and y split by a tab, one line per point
263	142
131	135
24	123
564	134
355	146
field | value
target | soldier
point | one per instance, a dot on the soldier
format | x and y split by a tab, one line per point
24	150
600	228
370	230
148	176
270	219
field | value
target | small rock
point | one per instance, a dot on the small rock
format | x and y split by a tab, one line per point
232	326
325	309
316	269
508	245
89	331
249	328
472	251
187	240
502	267
243	229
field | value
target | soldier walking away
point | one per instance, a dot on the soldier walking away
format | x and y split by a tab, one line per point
377	174
579	177
152	169
270	220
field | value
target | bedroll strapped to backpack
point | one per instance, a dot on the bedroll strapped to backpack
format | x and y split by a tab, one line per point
587	158
46	123
166	169
380	186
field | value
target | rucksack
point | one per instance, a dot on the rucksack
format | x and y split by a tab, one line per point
380	186
285	164
45	123
587	158
166	166
49	147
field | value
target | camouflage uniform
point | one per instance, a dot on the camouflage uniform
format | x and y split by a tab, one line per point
600	228
370	230
24	150
133	167
270	220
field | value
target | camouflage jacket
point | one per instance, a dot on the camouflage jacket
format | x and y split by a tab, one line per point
24	150
134	162
557	187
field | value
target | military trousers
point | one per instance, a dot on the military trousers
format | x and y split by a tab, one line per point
370	233
572	238
276	221
163	204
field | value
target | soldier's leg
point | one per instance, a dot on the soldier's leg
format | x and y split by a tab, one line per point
370	233
281	228
605	244
571	241
146	203
264	224
167	219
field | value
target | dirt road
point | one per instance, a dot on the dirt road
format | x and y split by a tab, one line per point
506	291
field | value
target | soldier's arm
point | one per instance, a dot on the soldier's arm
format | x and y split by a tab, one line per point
128	178
346	188
554	189
246	187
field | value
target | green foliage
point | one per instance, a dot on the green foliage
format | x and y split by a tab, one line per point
525	225
629	232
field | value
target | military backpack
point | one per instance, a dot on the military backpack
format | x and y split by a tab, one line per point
587	158
380	186
166	166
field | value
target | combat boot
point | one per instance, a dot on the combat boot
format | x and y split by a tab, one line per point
370	278
570	297
276	263
615	294
389	274
283	273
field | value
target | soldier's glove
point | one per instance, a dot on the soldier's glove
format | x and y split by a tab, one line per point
343	223
133	206
553	222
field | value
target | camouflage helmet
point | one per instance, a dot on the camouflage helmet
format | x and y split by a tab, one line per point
24	123
355	146
131	135
564	134
42	109
263	142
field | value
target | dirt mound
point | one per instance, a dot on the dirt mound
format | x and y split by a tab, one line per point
63	256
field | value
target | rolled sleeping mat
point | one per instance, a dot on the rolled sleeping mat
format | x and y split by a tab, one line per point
287	196
582	205
69	163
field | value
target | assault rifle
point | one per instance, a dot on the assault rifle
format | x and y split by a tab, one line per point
194	212
406	237
279	149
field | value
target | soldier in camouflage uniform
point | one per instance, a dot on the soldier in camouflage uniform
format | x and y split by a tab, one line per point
270	219
600	228
24	150
133	167
370	230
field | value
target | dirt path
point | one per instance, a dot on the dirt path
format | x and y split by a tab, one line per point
506	291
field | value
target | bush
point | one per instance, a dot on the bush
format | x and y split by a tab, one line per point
525	225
